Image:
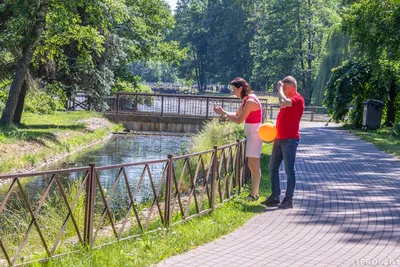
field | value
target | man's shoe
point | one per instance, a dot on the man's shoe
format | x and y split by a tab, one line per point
270	202
286	203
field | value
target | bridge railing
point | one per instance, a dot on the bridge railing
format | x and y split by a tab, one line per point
173	104
78	207
195	106
311	113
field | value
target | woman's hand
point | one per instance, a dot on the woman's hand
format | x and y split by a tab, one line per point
219	110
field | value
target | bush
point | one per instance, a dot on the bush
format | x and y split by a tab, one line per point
46	101
4	87
216	133
124	86
396	130
2	106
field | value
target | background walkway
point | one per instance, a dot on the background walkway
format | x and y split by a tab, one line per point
346	212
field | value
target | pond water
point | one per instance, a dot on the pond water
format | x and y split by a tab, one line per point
119	149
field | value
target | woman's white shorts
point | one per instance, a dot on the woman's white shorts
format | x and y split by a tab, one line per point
254	142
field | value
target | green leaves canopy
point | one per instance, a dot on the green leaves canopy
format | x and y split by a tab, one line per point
374	29
86	45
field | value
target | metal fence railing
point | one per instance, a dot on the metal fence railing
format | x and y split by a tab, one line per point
79	208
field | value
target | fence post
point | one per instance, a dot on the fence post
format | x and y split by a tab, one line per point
89	103
117	103
312	113
89	206
136	103
168	190
270	113
266	111
162	105
73	103
207	108
214	178
179	105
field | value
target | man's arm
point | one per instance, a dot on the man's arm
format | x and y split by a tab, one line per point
283	100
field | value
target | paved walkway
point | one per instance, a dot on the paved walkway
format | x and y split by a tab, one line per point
346	212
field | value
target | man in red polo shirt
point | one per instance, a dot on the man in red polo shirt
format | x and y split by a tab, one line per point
286	142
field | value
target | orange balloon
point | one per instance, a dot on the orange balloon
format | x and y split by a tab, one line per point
267	132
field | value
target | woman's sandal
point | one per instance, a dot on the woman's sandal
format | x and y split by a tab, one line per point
252	198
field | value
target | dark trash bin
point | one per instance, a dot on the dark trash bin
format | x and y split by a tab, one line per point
372	114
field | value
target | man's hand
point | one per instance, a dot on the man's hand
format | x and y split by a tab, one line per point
284	101
280	86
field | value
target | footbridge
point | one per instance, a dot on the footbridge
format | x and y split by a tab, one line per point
182	113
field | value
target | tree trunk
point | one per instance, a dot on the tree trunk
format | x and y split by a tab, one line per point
21	102
201	72
391	112
197	68
22	67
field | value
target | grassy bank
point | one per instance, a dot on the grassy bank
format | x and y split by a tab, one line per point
386	139
154	247
43	138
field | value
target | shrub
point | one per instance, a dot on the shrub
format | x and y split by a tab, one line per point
396	130
216	133
45	101
4	87
124	86
2	106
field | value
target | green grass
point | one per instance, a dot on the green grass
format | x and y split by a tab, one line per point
34	127
156	246
40	138
386	139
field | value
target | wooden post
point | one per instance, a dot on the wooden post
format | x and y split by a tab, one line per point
162	105
117	103
312	113
266	111
208	102
136	103
270	114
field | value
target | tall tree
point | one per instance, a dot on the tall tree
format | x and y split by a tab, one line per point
85	44
192	34
374	28
288	41
231	28
217	34
26	24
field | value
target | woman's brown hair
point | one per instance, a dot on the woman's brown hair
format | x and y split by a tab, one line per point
240	82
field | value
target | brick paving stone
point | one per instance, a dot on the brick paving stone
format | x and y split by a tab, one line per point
346	211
